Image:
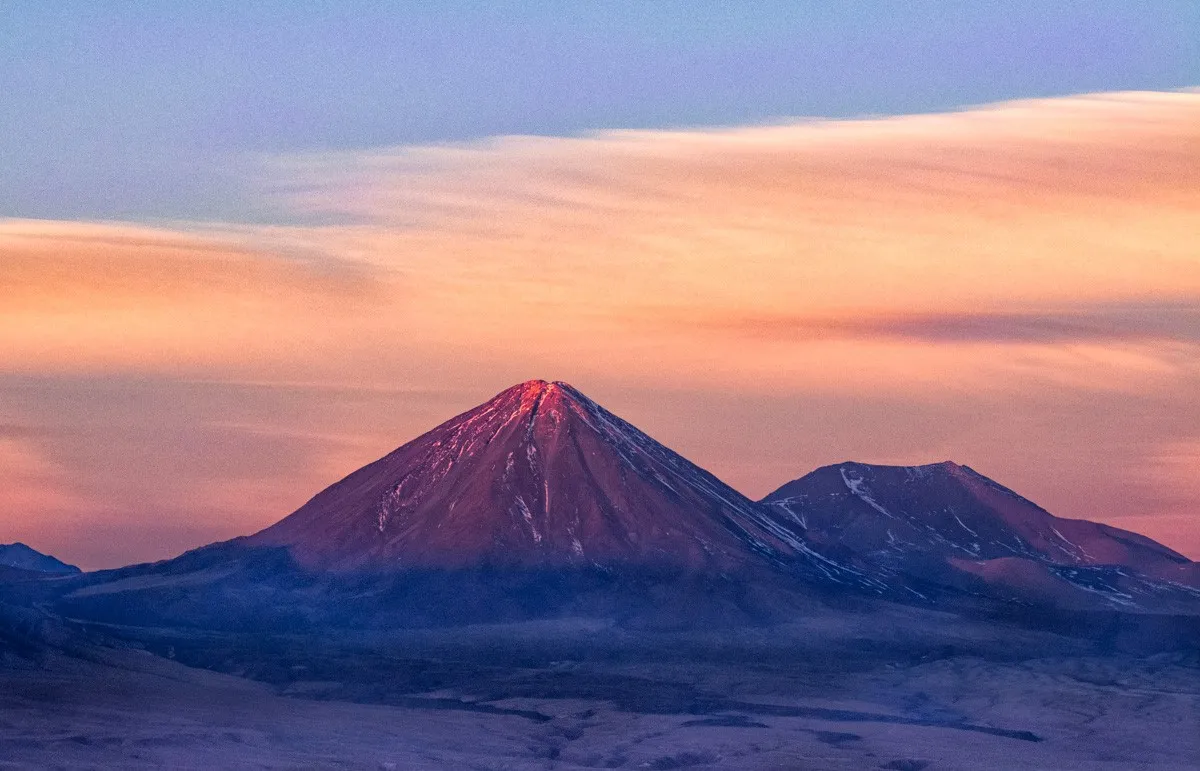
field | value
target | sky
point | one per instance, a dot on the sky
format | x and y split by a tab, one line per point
244	251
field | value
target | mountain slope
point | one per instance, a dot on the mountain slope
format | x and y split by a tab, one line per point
539	475
947	523
22	557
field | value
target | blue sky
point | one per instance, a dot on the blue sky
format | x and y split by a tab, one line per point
144	111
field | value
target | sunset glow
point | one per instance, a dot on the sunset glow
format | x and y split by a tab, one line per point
1015	287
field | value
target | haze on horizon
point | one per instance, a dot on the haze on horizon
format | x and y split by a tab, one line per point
206	322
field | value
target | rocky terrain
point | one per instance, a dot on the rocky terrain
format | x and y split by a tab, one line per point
839	692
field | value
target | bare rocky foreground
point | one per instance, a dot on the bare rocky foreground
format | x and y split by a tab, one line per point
848	691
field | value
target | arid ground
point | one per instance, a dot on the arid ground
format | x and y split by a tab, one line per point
850	691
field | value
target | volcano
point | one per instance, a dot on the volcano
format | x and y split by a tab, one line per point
538	476
537	503
946	523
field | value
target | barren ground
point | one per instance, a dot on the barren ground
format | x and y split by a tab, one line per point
568	695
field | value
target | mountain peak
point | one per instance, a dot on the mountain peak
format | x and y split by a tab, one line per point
945	466
540	405
530	389
532	394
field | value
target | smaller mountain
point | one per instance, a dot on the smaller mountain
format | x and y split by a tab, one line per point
946	524
22	557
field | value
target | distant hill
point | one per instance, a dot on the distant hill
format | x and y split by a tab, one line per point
22	557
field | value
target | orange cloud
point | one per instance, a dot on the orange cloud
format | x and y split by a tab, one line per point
81	295
1083	199
1053	222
